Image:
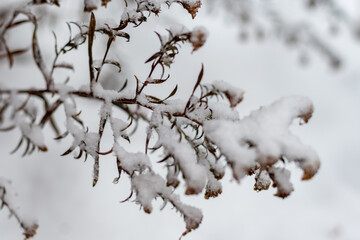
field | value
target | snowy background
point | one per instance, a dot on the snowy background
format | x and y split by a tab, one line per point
57	190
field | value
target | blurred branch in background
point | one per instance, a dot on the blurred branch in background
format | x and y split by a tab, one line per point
293	23
7	200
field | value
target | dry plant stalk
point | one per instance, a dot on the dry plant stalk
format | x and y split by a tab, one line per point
199	137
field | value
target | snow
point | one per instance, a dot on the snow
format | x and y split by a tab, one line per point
78	39
233	94
221	110
263	138
8	198
64	90
117	126
31	131
258	141
198	37
111	95
213	187
97	63
90	140
140	111
86	141
263	180
172	177
130	15
70	108
178	29
90	5
105	23
281	178
199	111
184	155
131	162
149	186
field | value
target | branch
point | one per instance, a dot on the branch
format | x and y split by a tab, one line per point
28	227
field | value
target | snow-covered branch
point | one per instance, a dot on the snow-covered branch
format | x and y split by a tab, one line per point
199	136
7	200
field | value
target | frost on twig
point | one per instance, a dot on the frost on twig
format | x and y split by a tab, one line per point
7	199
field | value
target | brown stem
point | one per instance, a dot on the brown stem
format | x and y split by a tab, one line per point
117	102
91	34
110	40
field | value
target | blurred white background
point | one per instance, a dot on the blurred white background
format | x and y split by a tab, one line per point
57	191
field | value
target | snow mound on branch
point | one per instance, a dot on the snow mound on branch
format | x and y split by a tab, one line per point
263	138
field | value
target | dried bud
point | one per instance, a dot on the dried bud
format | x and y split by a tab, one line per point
305	116
209	193
30	231
190	191
105	2
263	181
191	7
198	37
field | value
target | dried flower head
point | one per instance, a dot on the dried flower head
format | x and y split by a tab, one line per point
191	6
198	37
